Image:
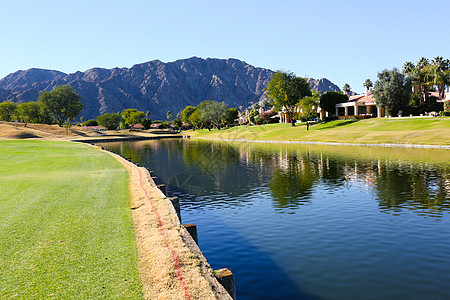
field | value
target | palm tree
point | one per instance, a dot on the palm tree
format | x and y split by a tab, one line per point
368	84
346	89
440	69
422	78
169	116
409	68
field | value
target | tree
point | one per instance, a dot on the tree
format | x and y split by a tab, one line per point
177	122
110	121
62	104
146	122
186	113
307	106
440	69
368	84
420	76
169	116
328	101
90	122
392	90
346	89
286	89
212	112
132	116
195	119
7	110
231	115
252	115
28	112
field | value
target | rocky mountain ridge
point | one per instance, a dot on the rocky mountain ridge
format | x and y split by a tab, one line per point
154	85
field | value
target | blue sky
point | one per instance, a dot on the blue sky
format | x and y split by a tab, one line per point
344	41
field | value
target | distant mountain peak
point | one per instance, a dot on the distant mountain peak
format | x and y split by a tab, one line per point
22	77
154	85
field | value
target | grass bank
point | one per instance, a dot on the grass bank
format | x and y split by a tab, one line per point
65	225
420	131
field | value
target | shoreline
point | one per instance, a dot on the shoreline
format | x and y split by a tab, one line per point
164	245
446	147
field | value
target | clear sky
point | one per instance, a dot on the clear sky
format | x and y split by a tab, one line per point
344	41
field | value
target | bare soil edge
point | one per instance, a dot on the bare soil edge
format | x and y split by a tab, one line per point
155	266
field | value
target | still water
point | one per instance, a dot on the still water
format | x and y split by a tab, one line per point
313	222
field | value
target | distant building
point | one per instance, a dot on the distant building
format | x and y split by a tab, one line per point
155	125
360	105
137	126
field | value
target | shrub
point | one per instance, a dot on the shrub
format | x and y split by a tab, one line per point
447	105
91	122
266	116
146	122
111	121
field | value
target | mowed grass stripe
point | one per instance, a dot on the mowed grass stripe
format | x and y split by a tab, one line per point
65	226
425	131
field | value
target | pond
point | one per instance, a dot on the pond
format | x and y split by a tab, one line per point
312	222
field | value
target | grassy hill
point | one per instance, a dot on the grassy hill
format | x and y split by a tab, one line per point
421	131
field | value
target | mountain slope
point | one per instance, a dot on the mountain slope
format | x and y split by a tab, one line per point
154	86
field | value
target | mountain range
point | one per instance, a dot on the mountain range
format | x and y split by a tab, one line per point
153	86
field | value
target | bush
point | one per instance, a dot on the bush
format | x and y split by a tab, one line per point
110	121
266	116
91	122
447	105
444	113
146	122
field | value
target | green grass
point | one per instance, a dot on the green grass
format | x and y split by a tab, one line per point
65	225
425	131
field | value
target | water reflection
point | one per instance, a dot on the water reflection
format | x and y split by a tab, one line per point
291	175
304	221
421	188
293	183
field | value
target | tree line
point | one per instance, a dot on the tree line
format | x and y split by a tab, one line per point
61	105
409	90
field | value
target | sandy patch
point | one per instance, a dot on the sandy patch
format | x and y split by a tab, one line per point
170	264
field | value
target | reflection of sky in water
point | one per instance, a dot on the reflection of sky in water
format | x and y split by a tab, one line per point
304	224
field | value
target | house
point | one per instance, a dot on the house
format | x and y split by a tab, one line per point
137	126
243	118
360	105
436	95
155	125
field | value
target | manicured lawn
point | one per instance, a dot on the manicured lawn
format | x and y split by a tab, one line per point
428	131
65	224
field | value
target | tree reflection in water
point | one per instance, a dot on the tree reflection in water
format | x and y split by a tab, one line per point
291	175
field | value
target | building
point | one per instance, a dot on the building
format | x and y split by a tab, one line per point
360	105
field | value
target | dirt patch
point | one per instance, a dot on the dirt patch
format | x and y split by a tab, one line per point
13	130
170	264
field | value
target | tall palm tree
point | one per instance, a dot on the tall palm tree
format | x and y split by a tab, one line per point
169	116
346	89
440	68
423	77
368	84
408	68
